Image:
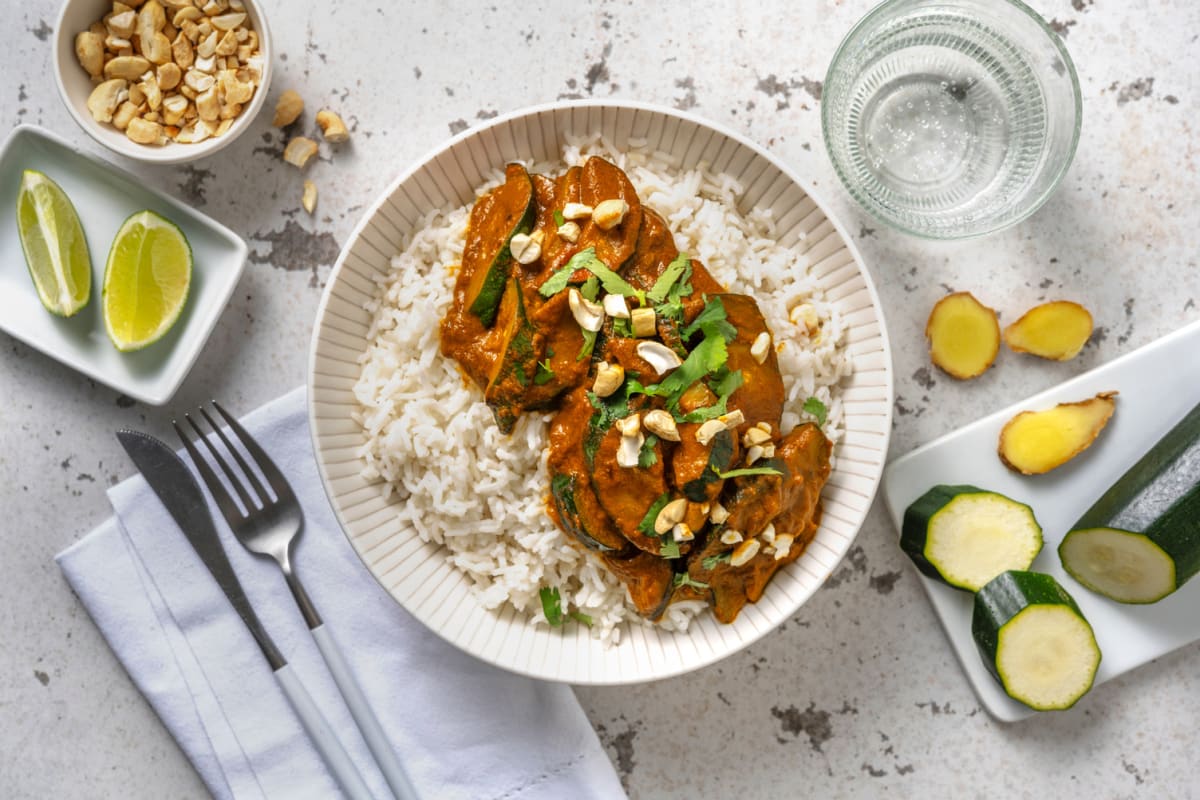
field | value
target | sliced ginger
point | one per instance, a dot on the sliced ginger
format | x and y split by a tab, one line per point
964	336
1034	442
1057	330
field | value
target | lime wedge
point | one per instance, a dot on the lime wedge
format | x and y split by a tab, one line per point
55	248
146	280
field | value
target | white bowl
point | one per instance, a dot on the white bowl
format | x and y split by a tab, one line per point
418	574
74	87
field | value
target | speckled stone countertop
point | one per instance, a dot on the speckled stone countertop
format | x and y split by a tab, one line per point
859	694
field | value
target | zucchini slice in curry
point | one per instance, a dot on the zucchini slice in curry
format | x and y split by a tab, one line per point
487	261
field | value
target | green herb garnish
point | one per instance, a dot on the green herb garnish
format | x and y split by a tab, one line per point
708	356
589	343
622	328
712	320
712	561
815	407
544	373
579	616
736	473
667	279
723	387
559	219
669	549
685	579
646	456
551	605
590	289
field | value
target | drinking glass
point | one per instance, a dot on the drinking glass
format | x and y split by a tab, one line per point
951	118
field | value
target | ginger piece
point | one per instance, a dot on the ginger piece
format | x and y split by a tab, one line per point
1057	330
1034	442
964	335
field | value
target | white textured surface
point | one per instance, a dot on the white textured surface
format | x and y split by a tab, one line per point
859	694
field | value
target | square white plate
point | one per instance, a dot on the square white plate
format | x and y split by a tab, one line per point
1158	384
104	196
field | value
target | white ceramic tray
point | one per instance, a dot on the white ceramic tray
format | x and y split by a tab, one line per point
1158	384
104	196
418	574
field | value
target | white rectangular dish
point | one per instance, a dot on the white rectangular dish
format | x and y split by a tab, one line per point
104	196
1158	385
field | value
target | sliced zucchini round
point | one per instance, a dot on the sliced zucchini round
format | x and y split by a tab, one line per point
1034	640
964	536
1121	565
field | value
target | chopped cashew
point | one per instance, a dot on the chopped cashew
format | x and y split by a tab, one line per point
89	49
103	100
332	127
610	213
643	322
309	200
288	108
298	151
661	424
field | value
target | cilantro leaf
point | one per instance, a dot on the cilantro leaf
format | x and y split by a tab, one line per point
556	282
611	281
667	279
815	407
590	289
669	549
685	579
708	356
622	328
723	387
544	373
646	526
712	561
646	456
559	219
712	320
734	473
551	605
589	342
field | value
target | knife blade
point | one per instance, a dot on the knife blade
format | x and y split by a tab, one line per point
1133	501
179	492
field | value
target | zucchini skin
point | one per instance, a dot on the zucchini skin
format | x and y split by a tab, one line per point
487	302
1008	594
1177	532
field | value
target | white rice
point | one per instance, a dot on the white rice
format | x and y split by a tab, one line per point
481	494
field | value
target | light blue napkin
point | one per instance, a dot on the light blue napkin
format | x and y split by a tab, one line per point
463	729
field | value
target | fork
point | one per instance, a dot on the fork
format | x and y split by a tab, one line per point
267	526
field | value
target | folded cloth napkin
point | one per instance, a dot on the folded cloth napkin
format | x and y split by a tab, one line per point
462	728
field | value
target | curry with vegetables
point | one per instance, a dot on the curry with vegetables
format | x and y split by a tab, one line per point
666	456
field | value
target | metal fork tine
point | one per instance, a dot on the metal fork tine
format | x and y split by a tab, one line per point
279	484
224	500
224	465
237	456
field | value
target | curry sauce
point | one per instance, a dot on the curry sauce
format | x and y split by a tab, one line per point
666	456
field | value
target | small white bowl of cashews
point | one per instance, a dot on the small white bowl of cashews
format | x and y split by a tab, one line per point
163	81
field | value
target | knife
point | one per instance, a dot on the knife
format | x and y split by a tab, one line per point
1128	501
176	487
